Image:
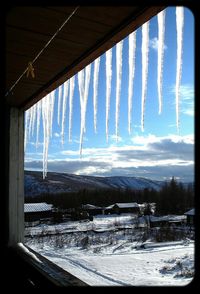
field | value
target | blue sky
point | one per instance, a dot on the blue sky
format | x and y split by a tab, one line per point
157	153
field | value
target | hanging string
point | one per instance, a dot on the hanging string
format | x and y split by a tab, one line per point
30	68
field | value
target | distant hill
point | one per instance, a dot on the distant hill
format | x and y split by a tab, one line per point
61	182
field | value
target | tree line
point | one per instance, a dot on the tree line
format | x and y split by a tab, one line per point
172	198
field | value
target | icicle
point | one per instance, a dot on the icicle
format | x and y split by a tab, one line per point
33	119
161	36
27	121
108	87
71	93
60	91
46	131
38	121
145	52
179	28
30	122
84	104
86	91
65	93
131	58
81	75
81	95
51	109
119	47
95	90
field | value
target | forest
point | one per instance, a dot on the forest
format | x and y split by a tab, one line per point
173	198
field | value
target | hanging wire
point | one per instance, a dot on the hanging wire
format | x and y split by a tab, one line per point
30	64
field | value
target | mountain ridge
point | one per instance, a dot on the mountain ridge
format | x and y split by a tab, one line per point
64	182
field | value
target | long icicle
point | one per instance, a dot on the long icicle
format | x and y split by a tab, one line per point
81	75
30	122
86	92
46	117
33	119
51	110
60	92
71	94
179	28
44	133
161	38
119	48
145	61
27	121
38	122
84	105
108	87
131	58
65	93
48	129
95	90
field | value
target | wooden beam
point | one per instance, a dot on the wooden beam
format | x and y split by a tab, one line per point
133	22
16	177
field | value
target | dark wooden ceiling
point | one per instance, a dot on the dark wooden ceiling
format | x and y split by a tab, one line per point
88	34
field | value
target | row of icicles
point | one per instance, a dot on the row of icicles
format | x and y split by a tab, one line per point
45	107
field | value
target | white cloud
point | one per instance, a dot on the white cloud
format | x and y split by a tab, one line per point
153	43
145	140
57	135
188	111
150	156
187	92
186	98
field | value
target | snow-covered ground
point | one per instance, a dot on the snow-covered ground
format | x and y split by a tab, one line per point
113	257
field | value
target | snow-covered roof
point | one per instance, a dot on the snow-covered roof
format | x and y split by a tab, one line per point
127	205
190	212
123	205
109	207
169	218
36	207
90	206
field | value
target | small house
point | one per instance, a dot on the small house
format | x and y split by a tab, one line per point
92	209
118	208
167	220
35	212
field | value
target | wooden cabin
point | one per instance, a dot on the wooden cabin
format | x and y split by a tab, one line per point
119	208
36	212
92	209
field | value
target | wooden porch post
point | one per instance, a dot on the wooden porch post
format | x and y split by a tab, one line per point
16	177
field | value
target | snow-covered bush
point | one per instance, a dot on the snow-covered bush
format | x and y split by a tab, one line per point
182	267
